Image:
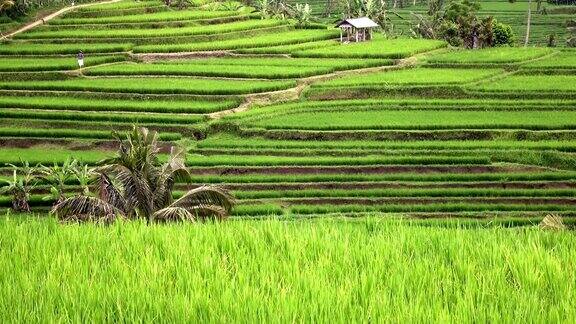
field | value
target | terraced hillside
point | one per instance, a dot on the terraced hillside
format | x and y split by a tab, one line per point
293	122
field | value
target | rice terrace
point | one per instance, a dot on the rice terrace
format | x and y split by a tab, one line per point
322	161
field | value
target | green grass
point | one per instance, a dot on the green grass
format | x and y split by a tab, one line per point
431	177
72	133
563	60
111	12
120	105
415	76
16	48
264	40
426	208
52	63
154	85
418	119
377	48
153	32
504	6
207	70
490	55
531	84
287	49
37	155
127	4
231	68
310	270
157	16
407	104
235	142
400	192
266	160
103	118
282	61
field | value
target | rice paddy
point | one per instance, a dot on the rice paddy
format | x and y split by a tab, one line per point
315	106
493	274
350	163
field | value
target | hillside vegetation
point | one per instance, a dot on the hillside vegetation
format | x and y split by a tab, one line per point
392	125
396	180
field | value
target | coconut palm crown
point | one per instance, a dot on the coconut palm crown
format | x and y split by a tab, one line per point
134	184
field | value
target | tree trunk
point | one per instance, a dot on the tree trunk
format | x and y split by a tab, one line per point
528	21
20	204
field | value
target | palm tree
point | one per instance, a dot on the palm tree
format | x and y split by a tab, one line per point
6	4
134	184
22	182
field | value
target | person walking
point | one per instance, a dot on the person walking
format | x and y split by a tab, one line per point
80	58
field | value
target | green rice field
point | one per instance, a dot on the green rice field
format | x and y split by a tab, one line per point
256	101
492	274
393	180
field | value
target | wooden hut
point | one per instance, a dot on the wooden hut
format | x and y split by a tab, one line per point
356	29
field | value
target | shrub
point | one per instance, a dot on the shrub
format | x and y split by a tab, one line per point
449	32
503	34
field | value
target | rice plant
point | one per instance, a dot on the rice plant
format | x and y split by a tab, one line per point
319	270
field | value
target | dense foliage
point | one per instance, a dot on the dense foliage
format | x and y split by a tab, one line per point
134	184
459	23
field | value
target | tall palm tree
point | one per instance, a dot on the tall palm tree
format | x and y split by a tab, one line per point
134	184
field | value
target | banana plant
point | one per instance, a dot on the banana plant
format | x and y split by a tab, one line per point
19	186
57	176
85	177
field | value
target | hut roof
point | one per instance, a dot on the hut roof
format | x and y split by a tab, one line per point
362	22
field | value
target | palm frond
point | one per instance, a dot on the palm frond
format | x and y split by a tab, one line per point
85	208
552	222
177	160
110	194
206	196
173	214
209	212
137	190
173	170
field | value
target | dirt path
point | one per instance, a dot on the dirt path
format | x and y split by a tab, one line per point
268	98
52	16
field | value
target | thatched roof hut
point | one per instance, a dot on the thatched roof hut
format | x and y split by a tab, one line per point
356	29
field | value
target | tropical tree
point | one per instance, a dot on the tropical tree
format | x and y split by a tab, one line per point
22	182
134	184
57	176
6	4
429	25
458	23
84	176
374	9
302	14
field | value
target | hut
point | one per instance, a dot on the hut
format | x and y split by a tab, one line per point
356	29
